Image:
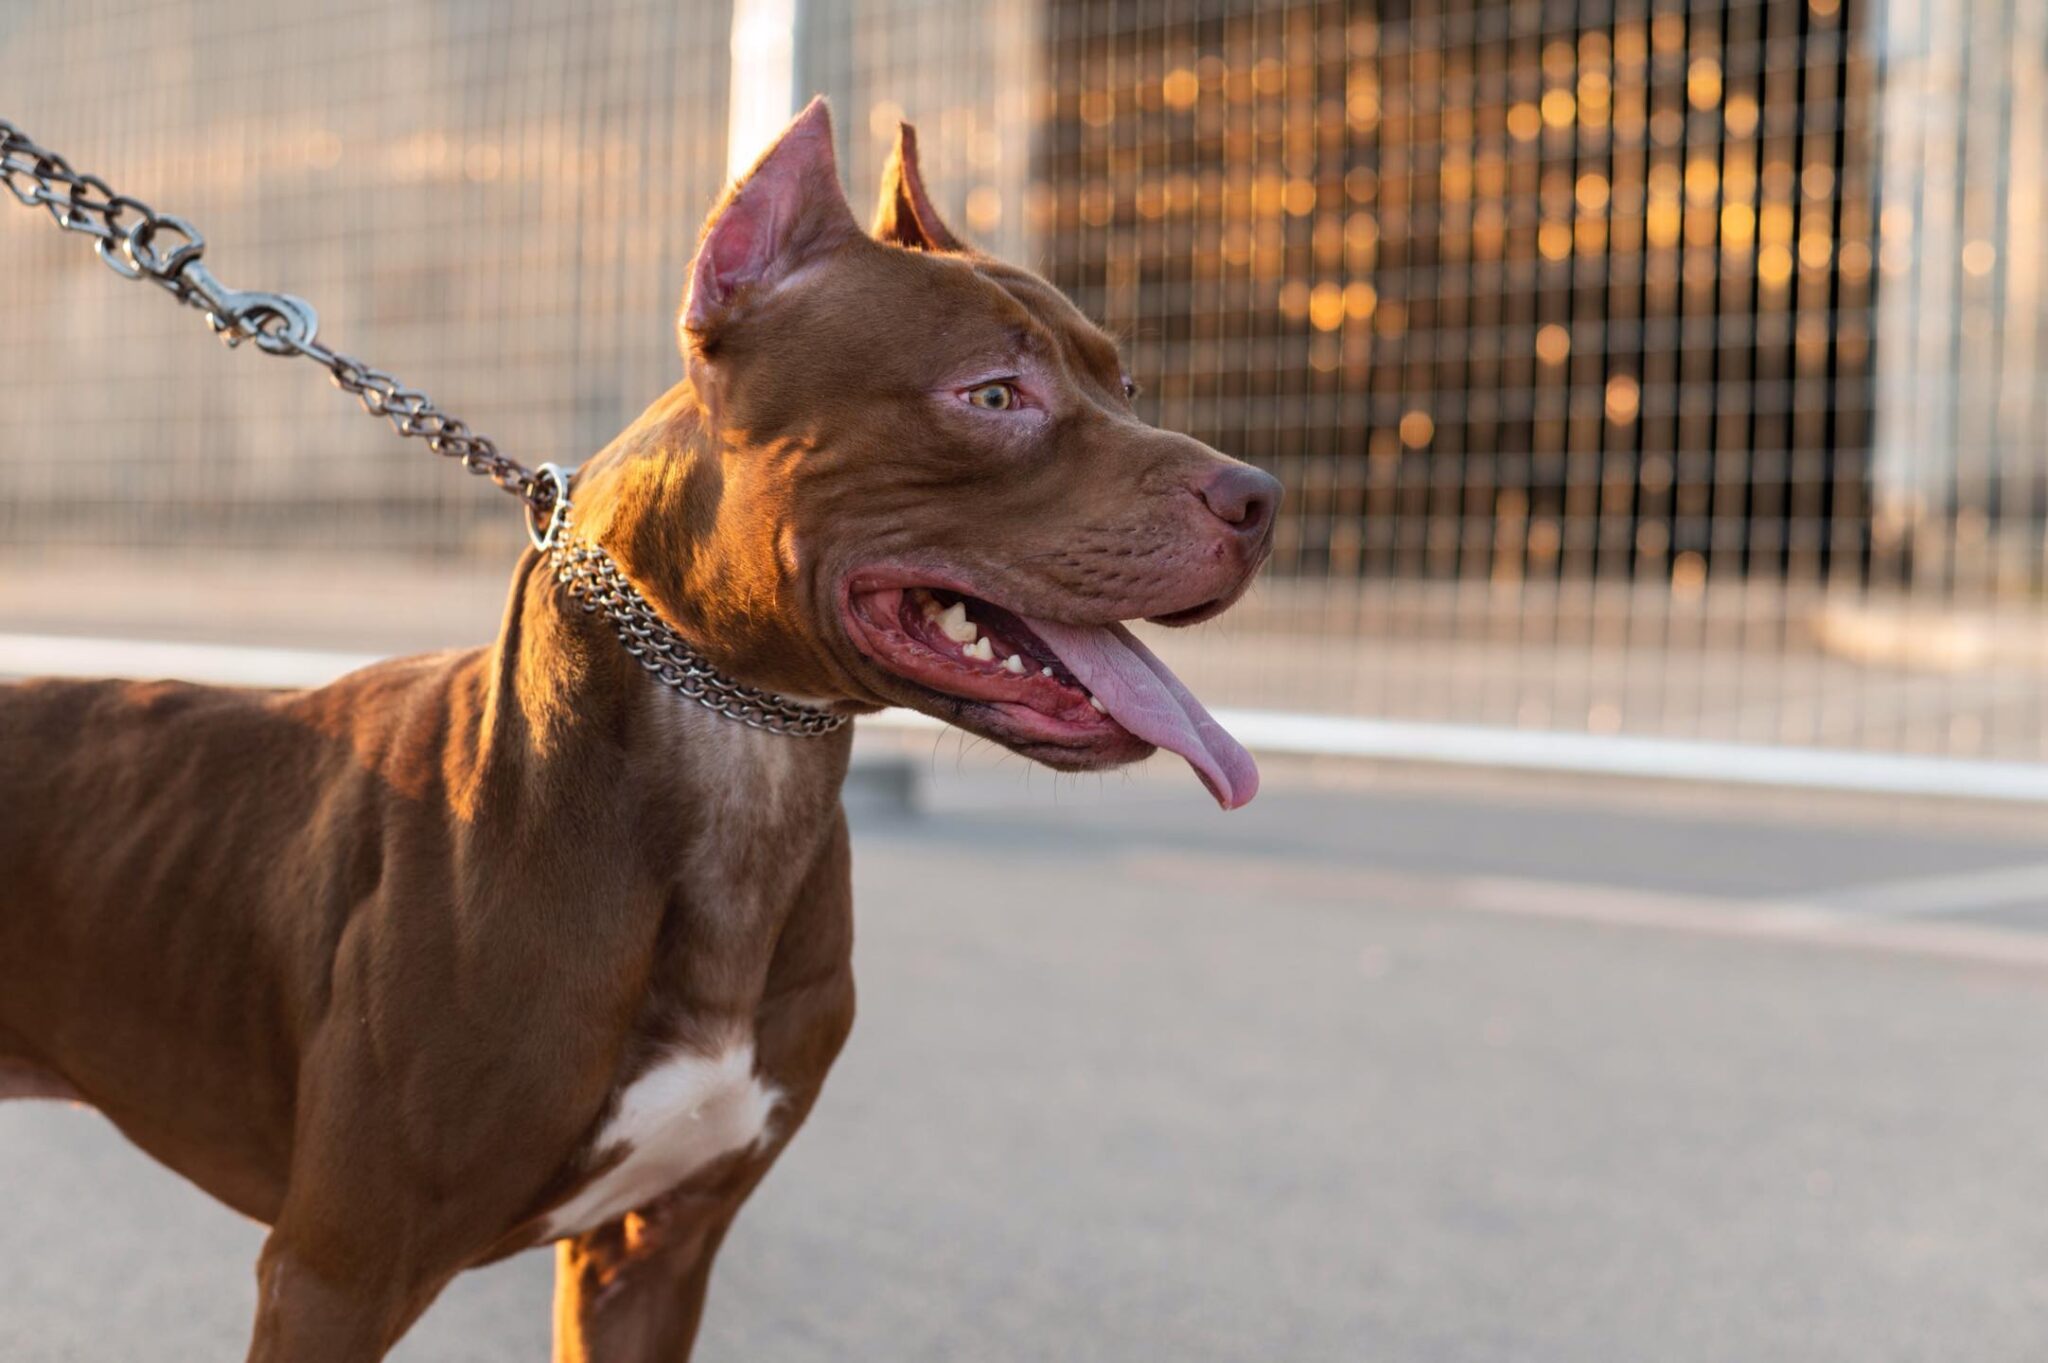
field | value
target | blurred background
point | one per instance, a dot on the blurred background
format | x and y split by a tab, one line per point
1645	369
1659	389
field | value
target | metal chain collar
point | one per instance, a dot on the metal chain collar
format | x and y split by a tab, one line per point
137	242
595	582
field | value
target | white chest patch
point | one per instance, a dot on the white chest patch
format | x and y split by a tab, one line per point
677	1117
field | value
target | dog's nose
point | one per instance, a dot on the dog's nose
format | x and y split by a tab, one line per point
1242	497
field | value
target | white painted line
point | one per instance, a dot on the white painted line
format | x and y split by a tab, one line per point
1269	731
1799	924
1769	921
56	655
1655	758
1997	887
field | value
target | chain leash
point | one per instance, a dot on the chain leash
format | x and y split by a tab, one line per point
137	242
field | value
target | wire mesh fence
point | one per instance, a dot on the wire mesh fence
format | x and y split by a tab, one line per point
1634	367
495	203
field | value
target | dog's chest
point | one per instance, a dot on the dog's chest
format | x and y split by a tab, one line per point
682	1113
759	806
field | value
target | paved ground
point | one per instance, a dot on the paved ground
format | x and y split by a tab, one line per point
1370	1074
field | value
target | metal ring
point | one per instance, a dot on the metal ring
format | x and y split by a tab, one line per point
139	242
557	477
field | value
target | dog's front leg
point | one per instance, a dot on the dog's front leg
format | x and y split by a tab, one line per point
307	1314
632	1291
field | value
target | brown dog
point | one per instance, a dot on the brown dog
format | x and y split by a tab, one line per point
470	952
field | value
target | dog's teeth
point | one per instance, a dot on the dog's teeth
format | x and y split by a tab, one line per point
1014	663
1100	708
981	651
1045	672
930	606
955	625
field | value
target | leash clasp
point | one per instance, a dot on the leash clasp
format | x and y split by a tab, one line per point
555	506
279	323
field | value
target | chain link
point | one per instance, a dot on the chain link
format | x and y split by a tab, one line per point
593	580
137	242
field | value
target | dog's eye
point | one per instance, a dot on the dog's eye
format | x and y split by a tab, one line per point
1130	388
993	397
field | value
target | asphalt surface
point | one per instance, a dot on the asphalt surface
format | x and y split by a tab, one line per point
1368	1074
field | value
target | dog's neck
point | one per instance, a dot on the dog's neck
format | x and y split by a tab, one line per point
578	744
695	543
694	518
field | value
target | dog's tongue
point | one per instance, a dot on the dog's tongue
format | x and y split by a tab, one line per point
1142	694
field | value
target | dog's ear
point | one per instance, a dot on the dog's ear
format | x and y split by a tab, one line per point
783	214
905	215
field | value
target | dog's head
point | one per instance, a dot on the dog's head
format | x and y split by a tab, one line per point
926	485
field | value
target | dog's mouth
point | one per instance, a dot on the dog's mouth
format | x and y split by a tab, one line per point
1073	696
